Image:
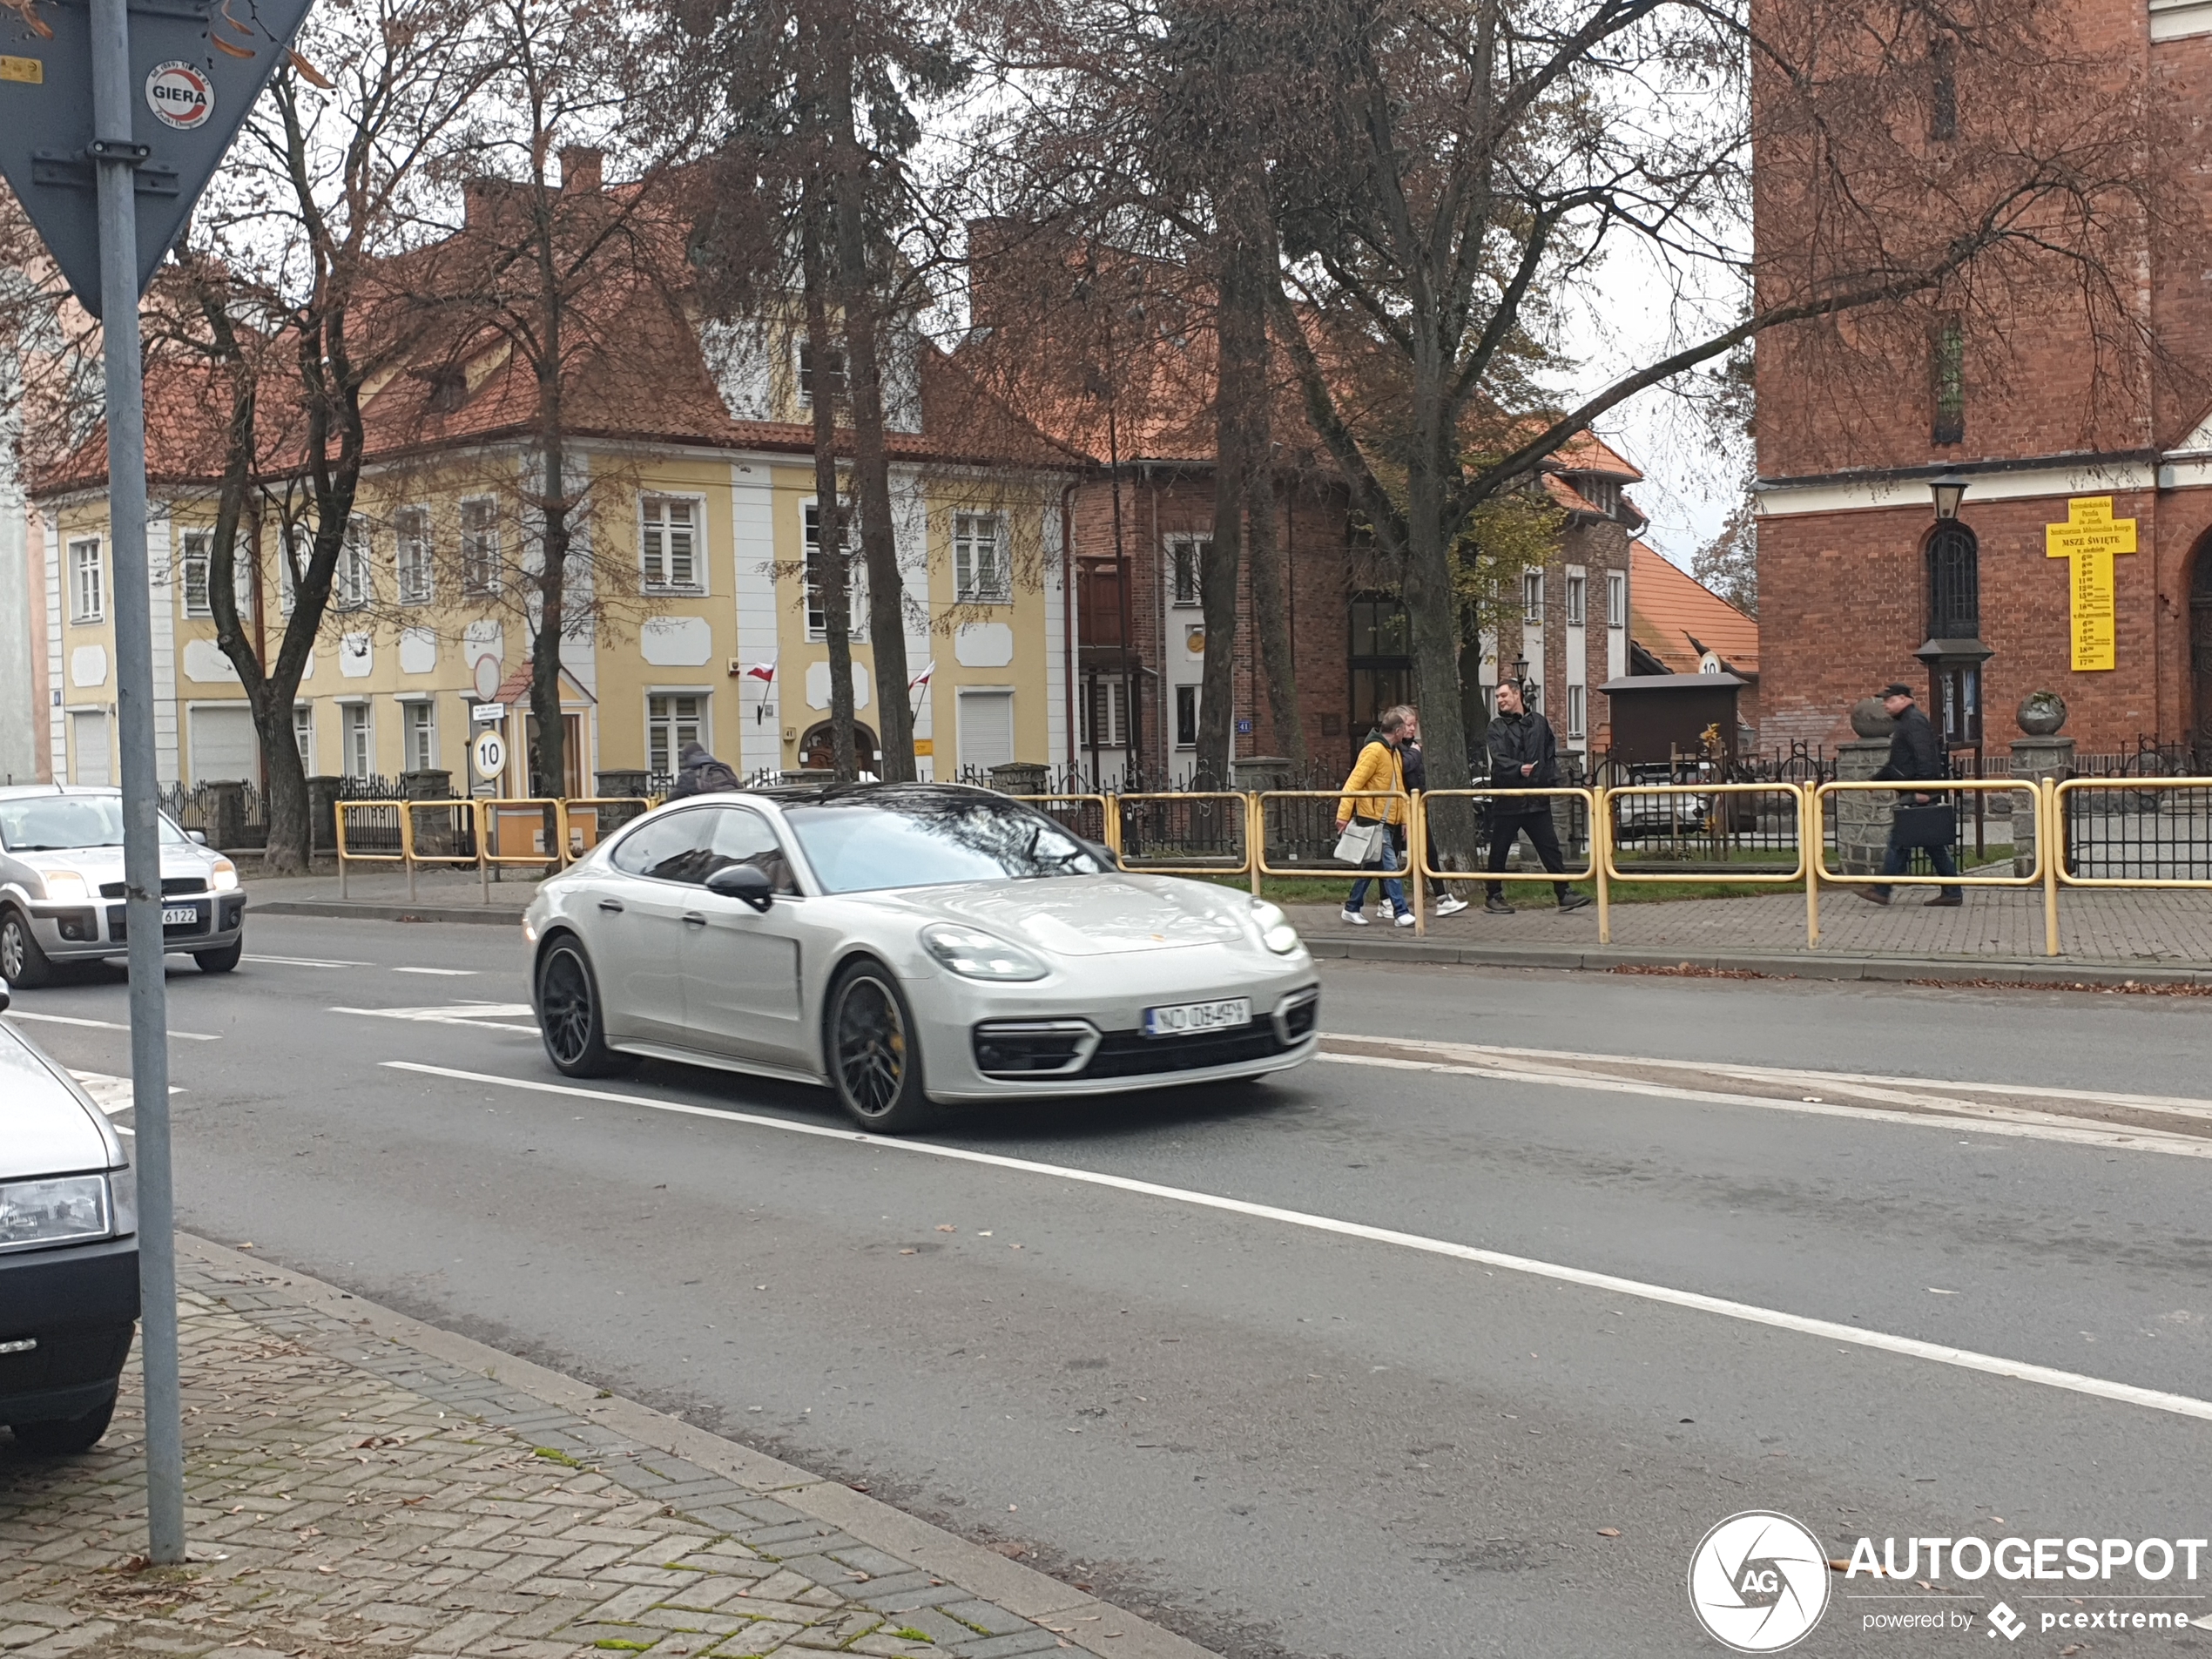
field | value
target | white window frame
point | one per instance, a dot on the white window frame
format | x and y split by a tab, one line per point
802	371
1532	595
88	578
656	535
1578	703
288	560
665	693
194	565
1186	553
1193	695
357	718
1616	598
1105	695
1577	600
856	579
354	582
479	545
409	708
303	734
990	581
412	568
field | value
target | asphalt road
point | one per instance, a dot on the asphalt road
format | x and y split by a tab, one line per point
1277	1439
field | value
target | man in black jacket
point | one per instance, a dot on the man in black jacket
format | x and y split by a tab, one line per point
1523	755
1914	754
702	773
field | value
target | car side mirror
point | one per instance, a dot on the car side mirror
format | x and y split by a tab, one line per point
747	883
198	837
1100	851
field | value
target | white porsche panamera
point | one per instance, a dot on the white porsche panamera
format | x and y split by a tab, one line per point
909	944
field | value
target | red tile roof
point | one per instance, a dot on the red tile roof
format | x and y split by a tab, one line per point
1678	619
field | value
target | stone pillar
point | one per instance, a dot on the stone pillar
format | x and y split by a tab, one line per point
625	785
322	813
1018	778
226	819
1255	774
1862	816
2034	759
429	785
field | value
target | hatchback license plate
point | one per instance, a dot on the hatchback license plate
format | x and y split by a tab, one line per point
179	915
1185	1018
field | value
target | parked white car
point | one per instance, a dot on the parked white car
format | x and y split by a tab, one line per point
908	944
61	885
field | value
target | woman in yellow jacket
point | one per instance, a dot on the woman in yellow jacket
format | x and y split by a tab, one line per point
1379	766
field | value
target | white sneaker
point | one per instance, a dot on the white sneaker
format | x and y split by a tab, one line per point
1354	918
1450	907
1404	919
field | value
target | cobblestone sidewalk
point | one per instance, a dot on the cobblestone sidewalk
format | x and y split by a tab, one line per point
350	1493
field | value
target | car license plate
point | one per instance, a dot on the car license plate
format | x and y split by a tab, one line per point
179	915
1187	1018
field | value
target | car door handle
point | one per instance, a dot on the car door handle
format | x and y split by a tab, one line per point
612	907
693	918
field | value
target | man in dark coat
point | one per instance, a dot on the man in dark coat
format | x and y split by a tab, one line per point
702	773
1523	755
1914	754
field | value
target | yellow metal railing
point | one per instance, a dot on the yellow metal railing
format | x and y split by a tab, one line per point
347	856
1427	838
1215	803
1604	818
2039	804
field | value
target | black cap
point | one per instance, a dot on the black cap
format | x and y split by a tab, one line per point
1897	688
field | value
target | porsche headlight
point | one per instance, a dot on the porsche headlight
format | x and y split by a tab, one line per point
65	884
1275	930
224	876
974	955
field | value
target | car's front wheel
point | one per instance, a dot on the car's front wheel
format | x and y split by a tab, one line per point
569	1014
22	963
222	960
874	1062
62	1437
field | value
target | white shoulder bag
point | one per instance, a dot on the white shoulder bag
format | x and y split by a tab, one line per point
1360	843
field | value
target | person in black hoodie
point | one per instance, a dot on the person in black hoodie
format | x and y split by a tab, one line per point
1914	754
701	773
1523	755
1409	753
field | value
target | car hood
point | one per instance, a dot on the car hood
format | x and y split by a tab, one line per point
1094	915
46	1126
101	864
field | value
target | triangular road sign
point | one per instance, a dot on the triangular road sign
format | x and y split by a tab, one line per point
196	69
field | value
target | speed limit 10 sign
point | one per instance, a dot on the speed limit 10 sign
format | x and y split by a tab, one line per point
490	752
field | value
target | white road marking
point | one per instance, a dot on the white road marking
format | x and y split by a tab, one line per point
495	1015
110	1093
305	961
1987	1120
105	1025
1910	1347
443	972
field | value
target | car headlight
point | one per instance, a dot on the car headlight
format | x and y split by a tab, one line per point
225	879
65	884
974	955
1275	930
54	1211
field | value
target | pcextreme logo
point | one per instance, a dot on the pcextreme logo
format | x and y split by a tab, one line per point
1758	1582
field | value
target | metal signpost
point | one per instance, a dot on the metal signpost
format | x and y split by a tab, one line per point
114	115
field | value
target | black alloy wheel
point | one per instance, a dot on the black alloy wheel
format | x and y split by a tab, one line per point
874	1063
569	1014
22	963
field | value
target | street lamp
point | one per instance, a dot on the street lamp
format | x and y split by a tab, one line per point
1947	488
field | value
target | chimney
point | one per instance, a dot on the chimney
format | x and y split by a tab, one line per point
990	276
580	170
479	197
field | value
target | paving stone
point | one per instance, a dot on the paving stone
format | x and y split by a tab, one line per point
992	1619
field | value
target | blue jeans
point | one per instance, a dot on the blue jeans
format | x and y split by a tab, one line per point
1392	891
1895	861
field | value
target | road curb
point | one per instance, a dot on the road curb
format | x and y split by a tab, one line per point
1767	965
364	911
1019	1589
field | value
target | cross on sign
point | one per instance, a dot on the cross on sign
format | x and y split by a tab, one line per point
2090	536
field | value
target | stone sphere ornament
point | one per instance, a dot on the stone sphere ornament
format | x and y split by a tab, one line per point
2042	714
1870	719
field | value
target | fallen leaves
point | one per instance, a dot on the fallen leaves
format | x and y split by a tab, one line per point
1608	1532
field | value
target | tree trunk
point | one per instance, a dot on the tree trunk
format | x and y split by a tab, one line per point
830	567
1271	612
1240	330
857	289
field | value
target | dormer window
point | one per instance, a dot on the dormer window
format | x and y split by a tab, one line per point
1604	493
448	389
830	374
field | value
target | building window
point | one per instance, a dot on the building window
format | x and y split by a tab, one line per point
196	601
87	581
412	527
855	574
671	721
419	735
1577	586
1604	493
1532	595
1187	557
1578	699
479	545
979	573
1954	582
1950	360
1186	717
669	539
359	757
292	545
303	733
833	375
1616	598
1103	712
1381	658
351	590
986	728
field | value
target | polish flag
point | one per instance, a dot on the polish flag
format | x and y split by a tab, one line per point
762	671
922	679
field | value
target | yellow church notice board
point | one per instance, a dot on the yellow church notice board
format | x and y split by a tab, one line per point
2090	536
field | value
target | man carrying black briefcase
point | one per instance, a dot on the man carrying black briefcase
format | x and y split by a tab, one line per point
1927	820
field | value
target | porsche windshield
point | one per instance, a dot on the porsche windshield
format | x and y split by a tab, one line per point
920	838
